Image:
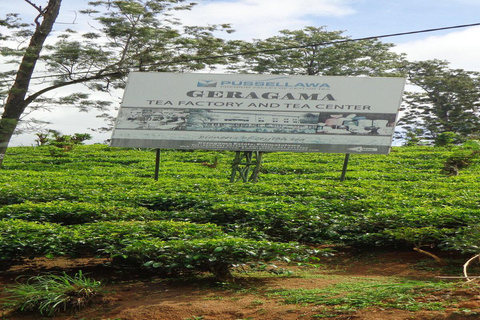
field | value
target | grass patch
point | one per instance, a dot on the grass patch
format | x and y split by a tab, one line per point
50	294
387	293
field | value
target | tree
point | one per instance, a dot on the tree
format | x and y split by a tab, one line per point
127	35
17	99
449	100
312	52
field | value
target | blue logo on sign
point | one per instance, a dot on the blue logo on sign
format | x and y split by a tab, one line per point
207	83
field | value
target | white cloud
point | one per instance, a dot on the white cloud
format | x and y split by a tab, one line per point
460	48
258	19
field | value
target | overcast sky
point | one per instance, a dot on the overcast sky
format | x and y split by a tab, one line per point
258	19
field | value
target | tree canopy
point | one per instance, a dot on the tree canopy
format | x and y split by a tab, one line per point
316	51
143	35
126	35
449	100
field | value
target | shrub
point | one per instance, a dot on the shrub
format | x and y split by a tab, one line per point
447	139
68	213
214	255
98	237
21	239
298	198
167	247
465	240
462	157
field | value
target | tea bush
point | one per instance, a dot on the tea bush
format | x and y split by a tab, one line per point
217	256
98	195
21	239
67	213
166	246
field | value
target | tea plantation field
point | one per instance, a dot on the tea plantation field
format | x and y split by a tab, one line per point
101	201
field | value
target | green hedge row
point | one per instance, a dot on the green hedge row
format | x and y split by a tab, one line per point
320	221
214	255
386	200
69	213
165	246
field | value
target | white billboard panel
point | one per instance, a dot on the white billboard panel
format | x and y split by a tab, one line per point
258	112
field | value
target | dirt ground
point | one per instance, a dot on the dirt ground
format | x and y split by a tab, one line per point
140	297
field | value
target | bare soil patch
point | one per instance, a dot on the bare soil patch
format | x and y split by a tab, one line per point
142	297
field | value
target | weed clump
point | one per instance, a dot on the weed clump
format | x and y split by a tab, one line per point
50	294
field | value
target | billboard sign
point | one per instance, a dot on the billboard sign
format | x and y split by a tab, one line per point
243	112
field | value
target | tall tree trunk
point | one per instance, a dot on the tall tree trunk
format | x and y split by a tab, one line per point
17	100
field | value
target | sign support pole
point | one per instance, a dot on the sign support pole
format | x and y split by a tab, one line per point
345	165
157	164
246	160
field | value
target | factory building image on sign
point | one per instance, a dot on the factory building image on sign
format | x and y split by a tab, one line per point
258	113
266	122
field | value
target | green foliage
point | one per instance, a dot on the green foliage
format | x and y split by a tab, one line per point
413	137
56	138
50	294
117	37
166	246
465	240
312	53
214	255
419	237
21	239
104	202
462	157
447	139
448	103
99	236
67	213
473	145
58	144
